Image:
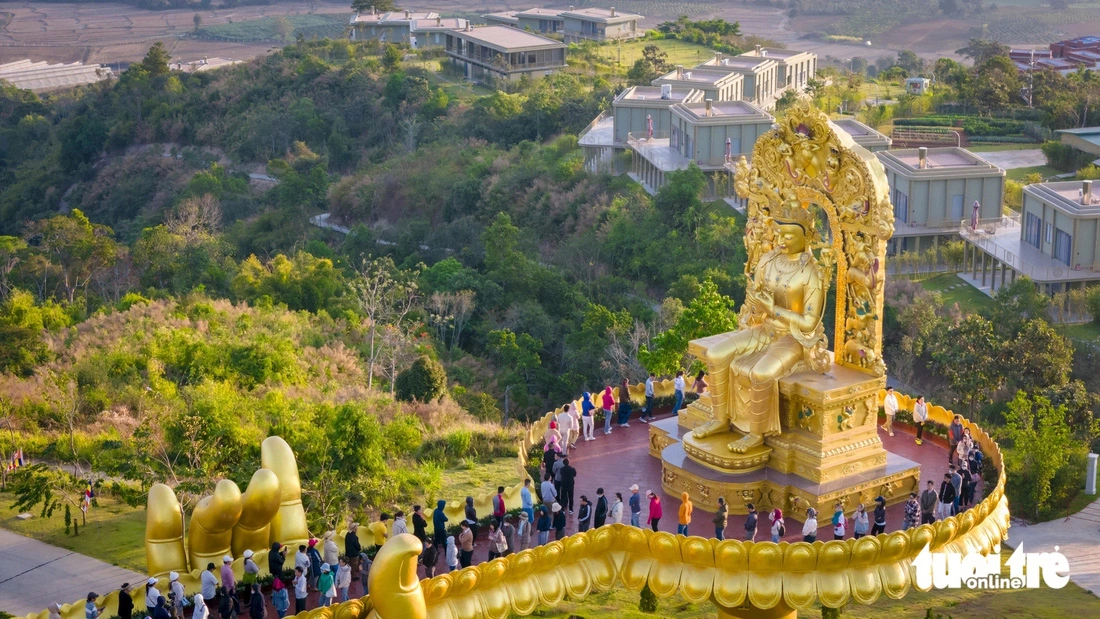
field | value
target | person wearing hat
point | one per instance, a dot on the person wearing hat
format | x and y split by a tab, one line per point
280	597
201	611
125	602
55	610
229	579
635	507
151	595
326	585
523	531
315	562
558	521
251	575
175	593
91	611
880	516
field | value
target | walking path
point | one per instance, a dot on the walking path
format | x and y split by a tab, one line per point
34	574
1076	537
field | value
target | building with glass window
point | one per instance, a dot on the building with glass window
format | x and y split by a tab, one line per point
1055	240
417	29
934	189
500	52
713	135
716	85
595	24
545	21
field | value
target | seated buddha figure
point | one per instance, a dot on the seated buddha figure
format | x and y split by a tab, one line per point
780	328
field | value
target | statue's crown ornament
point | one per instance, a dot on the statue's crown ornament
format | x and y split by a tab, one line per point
794	213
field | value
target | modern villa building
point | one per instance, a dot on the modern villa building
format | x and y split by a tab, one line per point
863	135
716	85
1055	241
500	52
595	24
795	68
935	189
544	21
637	110
761	76
714	135
418	29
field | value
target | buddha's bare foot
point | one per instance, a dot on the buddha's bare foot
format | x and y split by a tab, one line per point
711	428
746	443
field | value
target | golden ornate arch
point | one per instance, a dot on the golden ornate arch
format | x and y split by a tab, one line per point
806	159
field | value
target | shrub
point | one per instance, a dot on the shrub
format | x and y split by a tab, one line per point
647	602
1092	303
425	381
404	434
458	443
481	405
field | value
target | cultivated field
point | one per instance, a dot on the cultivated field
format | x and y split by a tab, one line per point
110	33
117	33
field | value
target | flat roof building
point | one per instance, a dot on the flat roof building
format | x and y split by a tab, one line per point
863	135
596	24
417	29
934	189
796	68
501	52
761	76
716	85
545	21
711	134
1055	240
42	76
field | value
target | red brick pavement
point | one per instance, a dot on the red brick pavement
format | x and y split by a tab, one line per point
620	459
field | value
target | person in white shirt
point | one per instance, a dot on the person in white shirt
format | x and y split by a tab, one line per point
678	385
565	427
209	582
647	414
890	406
617	509
920	417
175	588
809	529
151	594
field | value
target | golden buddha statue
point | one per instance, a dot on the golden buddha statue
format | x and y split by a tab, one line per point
780	330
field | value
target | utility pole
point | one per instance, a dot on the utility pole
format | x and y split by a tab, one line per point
1030	85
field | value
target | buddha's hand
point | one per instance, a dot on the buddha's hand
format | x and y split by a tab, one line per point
393	582
227	522
288	526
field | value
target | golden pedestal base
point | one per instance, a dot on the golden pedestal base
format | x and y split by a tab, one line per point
828	451
713	452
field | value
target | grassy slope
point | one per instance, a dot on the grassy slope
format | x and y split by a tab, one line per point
115	532
1018	174
679	52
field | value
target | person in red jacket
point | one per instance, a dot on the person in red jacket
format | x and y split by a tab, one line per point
654	509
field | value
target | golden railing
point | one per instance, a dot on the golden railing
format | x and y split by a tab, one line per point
731	573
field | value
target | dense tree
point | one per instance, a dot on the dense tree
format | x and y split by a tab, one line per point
1041	445
971	357
156	60
75	249
982	50
708	313
424	381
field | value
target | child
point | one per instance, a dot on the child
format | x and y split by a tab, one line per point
838	521
429	557
280	599
452	553
301	590
326	584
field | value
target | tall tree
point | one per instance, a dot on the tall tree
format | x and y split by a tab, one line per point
156	60
708	313
1041	445
970	356
75	248
385	295
981	50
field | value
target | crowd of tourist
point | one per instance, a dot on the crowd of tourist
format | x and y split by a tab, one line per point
546	510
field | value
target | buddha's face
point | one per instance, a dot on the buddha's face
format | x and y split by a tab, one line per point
792	239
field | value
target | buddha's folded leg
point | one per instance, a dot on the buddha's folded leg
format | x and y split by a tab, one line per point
719	359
